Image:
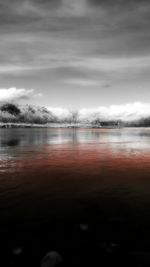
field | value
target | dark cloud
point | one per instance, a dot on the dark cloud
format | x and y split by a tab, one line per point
23	11
51	41
47	2
120	3
70	15
128	14
13	3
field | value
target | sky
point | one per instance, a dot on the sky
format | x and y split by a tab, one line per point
75	54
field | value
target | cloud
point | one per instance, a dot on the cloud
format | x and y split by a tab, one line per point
61	113
100	12
11	69
28	8
74	8
126	112
42	39
82	82
12	94
87	82
112	63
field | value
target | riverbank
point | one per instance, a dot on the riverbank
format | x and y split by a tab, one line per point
21	125
48	125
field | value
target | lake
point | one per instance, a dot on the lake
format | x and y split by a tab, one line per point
56	177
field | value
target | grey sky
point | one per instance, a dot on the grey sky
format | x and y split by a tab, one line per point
76	53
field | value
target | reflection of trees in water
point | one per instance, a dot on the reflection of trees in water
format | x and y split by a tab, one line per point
11	142
95	135
75	136
36	136
21	137
8	138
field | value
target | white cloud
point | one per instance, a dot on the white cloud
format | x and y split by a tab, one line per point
126	112
59	112
12	94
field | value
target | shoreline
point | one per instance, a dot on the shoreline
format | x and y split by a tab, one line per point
51	125
10	125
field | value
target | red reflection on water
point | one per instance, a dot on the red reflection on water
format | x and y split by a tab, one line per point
86	157
89	156
94	164
65	173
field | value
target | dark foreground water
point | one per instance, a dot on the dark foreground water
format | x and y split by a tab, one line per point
82	192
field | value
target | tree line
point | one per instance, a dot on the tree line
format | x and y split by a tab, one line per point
12	113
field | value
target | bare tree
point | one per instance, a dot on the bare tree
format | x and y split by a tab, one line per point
74	116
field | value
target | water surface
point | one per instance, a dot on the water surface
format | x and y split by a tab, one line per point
64	175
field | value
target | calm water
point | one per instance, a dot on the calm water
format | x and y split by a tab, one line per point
65	175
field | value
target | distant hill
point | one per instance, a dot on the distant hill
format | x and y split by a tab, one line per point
25	114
